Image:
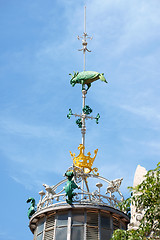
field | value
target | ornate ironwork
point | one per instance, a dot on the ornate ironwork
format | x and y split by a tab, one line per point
83	116
56	195
81	172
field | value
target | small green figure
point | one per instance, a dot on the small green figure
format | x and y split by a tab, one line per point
86	77
31	209
97	118
87	110
69	114
70	186
79	122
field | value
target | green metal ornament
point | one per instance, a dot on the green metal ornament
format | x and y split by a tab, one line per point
69	114
69	188
32	208
86	77
79	122
97	118
87	110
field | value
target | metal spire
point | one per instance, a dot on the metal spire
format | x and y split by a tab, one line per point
86	110
84	49
84	40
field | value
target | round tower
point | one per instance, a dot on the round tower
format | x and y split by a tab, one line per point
84	205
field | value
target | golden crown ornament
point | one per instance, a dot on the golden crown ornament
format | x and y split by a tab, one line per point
85	162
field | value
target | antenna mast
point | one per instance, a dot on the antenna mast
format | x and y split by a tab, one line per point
84	92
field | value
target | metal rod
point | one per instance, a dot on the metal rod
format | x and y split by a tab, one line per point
83	130
84	41
84	51
87	188
82	187
85	19
83	91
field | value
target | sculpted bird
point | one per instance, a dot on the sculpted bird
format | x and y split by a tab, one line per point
86	77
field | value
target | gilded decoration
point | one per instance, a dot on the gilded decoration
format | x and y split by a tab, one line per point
85	162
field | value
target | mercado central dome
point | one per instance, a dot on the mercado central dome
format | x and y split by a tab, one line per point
84	205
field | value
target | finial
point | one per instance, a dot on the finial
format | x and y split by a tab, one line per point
84	40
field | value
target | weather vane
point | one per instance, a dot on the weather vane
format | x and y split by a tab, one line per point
84	78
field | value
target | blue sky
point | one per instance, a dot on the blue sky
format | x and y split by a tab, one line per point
38	49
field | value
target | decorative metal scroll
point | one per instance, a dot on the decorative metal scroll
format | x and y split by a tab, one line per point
55	195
